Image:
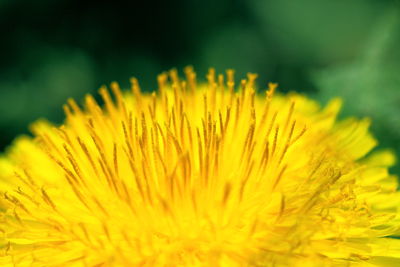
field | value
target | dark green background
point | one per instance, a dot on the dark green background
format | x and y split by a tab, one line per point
51	50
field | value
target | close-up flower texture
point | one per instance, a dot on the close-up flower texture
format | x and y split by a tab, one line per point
212	173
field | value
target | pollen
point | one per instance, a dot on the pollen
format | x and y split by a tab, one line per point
215	173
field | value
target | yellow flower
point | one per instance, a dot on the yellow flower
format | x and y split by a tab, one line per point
198	175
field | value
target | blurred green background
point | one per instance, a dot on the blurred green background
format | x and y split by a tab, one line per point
52	50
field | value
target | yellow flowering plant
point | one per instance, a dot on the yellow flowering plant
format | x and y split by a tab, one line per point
212	174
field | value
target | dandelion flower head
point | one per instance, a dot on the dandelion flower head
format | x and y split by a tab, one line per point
212	174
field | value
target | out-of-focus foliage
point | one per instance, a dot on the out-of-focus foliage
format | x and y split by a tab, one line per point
317	31
55	77
52	50
370	85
